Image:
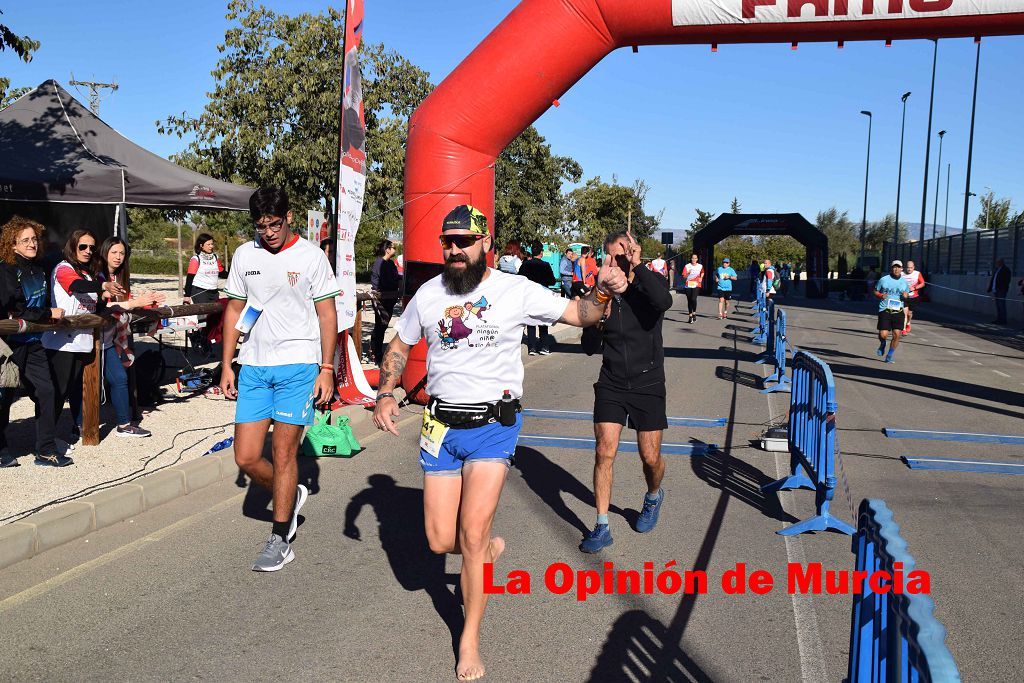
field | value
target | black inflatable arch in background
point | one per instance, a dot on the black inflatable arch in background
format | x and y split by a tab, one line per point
792	224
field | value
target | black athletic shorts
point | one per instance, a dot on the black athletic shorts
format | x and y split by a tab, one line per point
640	409
891	320
910	303
722	294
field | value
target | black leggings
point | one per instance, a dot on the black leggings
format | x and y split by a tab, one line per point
382	312
691	299
37	380
67	380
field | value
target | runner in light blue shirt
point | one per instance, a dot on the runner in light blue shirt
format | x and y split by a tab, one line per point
724	278
891	291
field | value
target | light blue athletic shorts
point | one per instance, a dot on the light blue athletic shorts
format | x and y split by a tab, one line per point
490	443
283	393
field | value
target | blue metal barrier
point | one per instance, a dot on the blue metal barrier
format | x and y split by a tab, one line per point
768	355
758	301
764	315
893	637
777	344
812	441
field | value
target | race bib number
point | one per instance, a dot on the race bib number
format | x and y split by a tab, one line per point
432	434
894	303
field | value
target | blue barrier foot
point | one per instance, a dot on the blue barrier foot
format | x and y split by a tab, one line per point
793	481
781	386
817	523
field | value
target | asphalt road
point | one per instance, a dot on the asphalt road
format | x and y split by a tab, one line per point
169	595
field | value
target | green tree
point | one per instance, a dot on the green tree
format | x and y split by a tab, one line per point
995	213
598	208
735	206
23	46
8	94
272	118
842	237
880	232
702	221
528	199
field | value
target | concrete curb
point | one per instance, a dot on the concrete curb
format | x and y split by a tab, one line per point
66	522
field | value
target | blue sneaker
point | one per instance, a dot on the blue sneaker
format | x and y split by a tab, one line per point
881	351
649	514
600	537
889	358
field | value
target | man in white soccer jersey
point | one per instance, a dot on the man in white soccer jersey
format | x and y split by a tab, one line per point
282	293
472	318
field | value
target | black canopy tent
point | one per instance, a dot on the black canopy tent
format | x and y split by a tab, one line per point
60	164
792	224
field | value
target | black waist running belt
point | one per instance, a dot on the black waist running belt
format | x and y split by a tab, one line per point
470	415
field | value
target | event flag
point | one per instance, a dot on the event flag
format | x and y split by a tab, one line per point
351	383
351	166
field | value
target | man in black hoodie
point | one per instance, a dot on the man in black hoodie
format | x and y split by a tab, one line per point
631	387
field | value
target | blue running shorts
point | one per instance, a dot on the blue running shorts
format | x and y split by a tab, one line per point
283	393
490	443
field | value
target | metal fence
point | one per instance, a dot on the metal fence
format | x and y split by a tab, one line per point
955	255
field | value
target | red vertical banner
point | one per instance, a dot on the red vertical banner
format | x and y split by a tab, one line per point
351	382
351	165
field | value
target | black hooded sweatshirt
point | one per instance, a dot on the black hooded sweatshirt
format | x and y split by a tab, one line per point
634	355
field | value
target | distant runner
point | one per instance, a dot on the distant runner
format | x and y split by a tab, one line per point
915	281
693	273
891	291
724	278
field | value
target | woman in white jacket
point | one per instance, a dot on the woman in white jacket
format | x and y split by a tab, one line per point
76	290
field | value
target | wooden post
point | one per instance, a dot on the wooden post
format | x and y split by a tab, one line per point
357	333
181	281
91	393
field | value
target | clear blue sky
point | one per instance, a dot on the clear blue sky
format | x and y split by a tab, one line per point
779	129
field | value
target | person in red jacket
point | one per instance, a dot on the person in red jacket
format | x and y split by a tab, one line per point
915	281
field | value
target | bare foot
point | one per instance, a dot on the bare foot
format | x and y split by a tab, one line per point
470	667
497	547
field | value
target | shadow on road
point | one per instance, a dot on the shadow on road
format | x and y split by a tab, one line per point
640	648
399	511
742	481
549	481
258	500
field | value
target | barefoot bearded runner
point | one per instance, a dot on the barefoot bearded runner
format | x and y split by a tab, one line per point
472	319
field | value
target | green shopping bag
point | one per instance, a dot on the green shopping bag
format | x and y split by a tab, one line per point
324	440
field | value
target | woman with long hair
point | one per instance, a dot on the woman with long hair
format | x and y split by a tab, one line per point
693	275
25	296
204	270
117	354
385	282
511	257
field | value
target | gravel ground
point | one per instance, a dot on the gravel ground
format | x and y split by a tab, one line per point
183	429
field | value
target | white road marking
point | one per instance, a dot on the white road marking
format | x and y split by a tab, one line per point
953	352
1001	374
975	362
808	635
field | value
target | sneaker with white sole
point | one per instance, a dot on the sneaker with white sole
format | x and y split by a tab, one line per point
300	499
545	351
276	554
133	430
63	447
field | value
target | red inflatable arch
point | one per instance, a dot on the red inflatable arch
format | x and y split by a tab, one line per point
544	46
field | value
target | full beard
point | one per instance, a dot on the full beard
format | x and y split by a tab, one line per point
461	281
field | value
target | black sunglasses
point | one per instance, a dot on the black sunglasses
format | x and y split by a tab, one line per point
460	241
86	247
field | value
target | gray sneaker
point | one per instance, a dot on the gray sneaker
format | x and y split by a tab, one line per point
276	554
300	499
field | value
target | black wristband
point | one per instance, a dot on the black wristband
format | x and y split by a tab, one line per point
386	394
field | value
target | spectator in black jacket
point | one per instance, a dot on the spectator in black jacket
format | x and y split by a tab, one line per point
537	270
999	286
25	296
631	387
385	282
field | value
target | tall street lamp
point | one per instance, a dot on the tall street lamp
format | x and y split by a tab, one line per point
927	154
945	221
867	168
988	205
899	176
970	152
938	180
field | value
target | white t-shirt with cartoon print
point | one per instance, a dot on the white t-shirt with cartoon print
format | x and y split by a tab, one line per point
474	340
